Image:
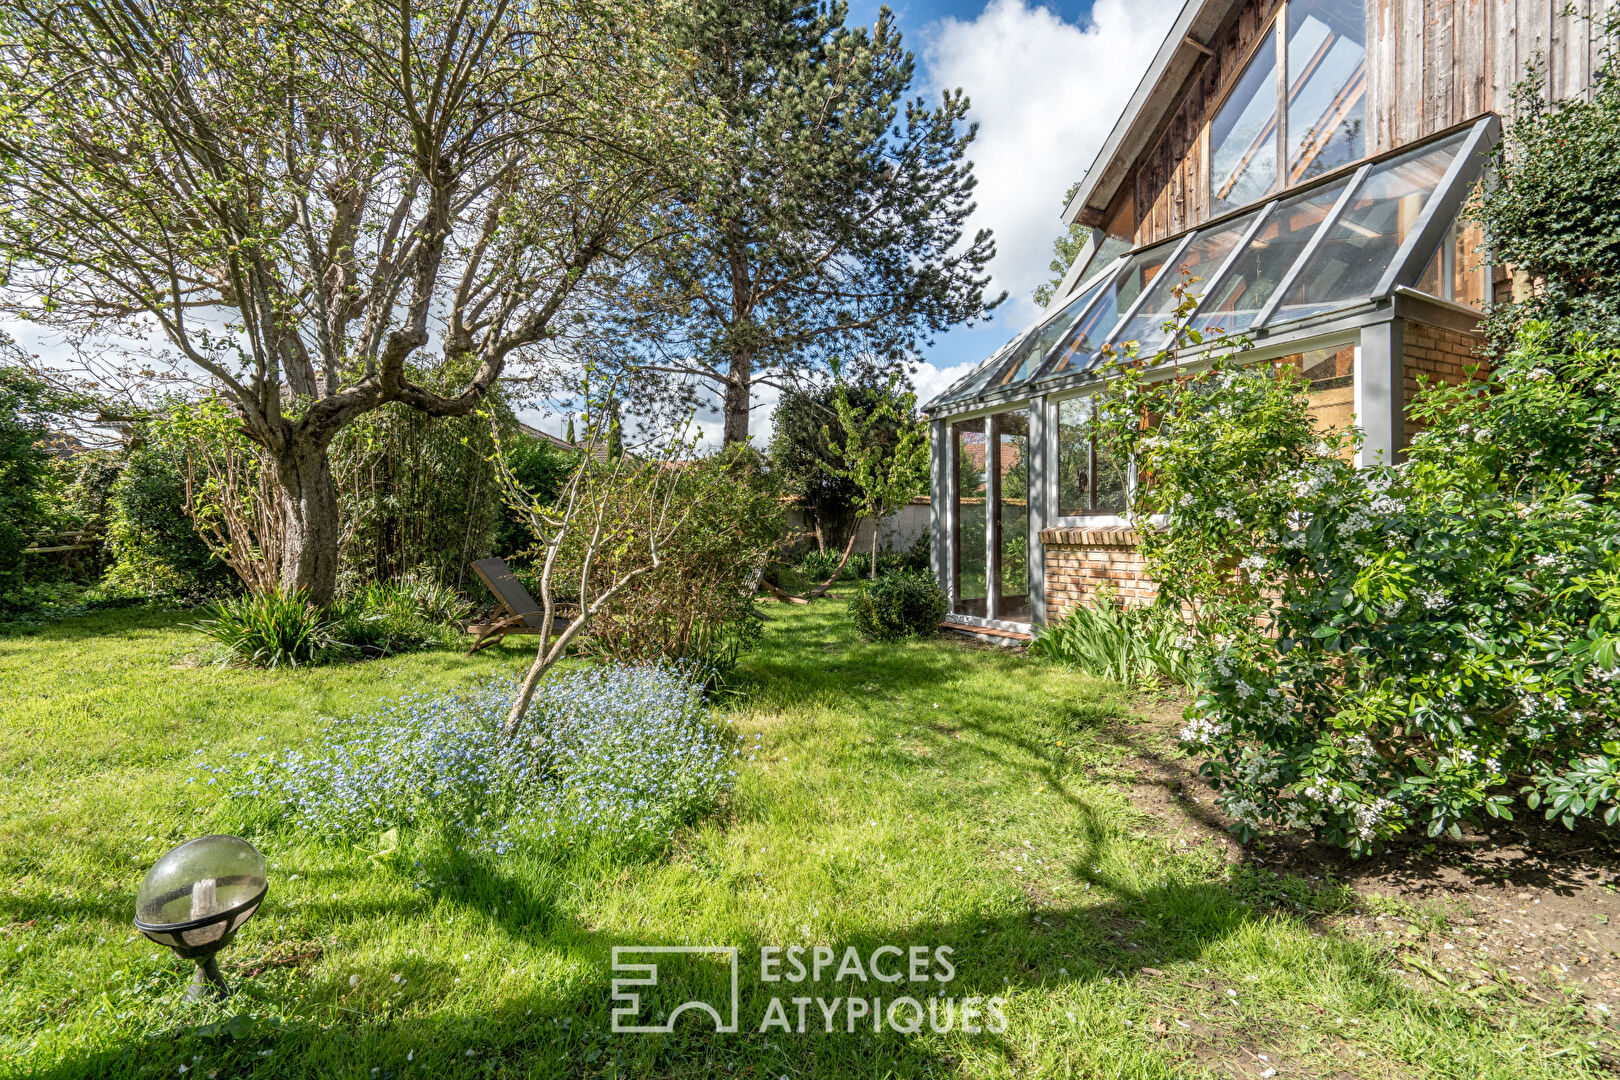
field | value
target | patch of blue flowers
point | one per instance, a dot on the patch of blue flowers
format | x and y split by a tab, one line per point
619	752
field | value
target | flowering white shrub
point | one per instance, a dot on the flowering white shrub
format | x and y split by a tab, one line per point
618	752
1395	648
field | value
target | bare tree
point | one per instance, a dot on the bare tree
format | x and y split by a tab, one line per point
316	206
610	522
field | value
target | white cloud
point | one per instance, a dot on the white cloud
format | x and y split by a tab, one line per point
1045	92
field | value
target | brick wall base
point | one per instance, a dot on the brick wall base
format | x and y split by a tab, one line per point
1439	355
1080	563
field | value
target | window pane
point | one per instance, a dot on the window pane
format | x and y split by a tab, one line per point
1243	135
1235	301
1012	514
1080	345
1330	373
969	540
1089	479
1111	248
1327	93
1110	481
1074	457
1357	252
1457	271
1201	259
1026	358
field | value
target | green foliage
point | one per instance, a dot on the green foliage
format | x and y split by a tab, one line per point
1126	644
269	630
897	606
1065	247
416	494
886	476
384	618
24	472
1390	649
153	542
1553	212
542	469
698	603
378	619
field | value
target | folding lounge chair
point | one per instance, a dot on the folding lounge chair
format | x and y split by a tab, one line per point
518	614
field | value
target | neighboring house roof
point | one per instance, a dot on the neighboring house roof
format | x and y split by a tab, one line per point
599	451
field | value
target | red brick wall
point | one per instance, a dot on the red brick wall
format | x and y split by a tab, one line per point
1444	356
1079	562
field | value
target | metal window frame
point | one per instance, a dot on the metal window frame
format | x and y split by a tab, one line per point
1312	246
1220	273
1448	198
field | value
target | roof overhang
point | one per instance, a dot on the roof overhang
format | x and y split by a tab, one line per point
1157	96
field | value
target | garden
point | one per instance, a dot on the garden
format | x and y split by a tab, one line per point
631	752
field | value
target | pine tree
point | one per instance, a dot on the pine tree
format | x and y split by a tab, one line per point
829	220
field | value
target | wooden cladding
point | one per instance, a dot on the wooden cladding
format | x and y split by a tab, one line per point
1431	64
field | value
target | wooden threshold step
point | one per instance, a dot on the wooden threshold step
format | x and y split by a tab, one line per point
990	633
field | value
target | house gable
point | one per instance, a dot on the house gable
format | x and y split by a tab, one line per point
1430	65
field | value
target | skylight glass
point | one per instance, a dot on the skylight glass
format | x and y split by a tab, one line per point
1235	301
1357	250
1019	358
1318	250
1203	257
1080	346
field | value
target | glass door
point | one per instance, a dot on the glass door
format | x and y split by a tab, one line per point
968	550
1010	542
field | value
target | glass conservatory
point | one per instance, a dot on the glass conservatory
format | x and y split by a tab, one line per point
1343	277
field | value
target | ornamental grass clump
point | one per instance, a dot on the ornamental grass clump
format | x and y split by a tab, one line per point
619	753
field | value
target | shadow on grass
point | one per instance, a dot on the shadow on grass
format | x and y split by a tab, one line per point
375	1023
362	1021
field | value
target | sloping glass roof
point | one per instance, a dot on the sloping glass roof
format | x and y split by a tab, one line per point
1317	249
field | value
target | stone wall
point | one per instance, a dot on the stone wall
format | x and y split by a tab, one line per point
1081	562
1444	356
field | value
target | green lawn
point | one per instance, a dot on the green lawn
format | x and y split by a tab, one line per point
929	794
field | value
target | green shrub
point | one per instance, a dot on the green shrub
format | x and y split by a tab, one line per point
698	604
1397	648
897	606
379	619
154	547
818	566
24	472
270	630
1128	645
416	493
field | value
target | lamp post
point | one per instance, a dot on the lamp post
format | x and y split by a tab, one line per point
194	899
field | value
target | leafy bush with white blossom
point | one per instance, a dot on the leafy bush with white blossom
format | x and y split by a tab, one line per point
619	753
1397	648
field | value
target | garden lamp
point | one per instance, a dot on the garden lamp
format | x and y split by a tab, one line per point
194	899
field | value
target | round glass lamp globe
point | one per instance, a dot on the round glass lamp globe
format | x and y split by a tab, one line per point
196	896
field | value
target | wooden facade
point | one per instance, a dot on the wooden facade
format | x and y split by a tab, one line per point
1431	64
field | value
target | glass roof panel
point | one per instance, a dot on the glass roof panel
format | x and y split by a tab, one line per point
1235	301
1197	264
1019	358
1081	345
1354	255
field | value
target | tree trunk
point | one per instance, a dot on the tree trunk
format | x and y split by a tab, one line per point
309	545
739	394
872	570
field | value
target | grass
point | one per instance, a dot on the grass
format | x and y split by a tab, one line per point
924	794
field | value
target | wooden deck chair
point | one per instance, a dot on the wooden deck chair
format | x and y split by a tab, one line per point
518	614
